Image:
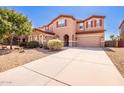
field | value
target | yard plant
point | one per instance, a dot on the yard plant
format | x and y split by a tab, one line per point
32	44
13	24
55	44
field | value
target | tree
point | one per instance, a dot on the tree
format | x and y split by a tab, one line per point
112	37
117	37
13	23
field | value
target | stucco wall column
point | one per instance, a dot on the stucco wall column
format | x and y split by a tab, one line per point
70	43
102	42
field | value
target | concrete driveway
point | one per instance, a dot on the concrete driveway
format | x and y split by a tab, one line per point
73	66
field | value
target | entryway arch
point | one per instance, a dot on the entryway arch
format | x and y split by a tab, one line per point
66	40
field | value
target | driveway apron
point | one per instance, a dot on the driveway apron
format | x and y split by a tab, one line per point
73	66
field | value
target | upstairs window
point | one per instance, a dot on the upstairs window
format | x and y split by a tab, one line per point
61	23
98	23
46	28
89	24
81	26
51	29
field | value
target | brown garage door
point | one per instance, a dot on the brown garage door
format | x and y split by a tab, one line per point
89	41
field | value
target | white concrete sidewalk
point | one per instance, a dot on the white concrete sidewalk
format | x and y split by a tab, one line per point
74	66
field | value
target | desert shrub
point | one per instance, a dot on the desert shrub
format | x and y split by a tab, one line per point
23	44
32	44
55	44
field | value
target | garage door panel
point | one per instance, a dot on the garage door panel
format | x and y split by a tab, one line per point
89	41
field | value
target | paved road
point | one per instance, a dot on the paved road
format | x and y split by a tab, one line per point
73	66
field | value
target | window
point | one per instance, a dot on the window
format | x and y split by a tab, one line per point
98	23
46	28
89	24
81	26
51	29
61	23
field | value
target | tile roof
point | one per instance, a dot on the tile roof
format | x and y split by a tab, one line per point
38	29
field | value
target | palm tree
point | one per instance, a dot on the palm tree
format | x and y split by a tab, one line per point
116	38
112	37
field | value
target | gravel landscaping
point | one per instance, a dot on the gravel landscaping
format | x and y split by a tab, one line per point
117	57
14	59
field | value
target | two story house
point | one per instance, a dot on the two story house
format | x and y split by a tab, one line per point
73	32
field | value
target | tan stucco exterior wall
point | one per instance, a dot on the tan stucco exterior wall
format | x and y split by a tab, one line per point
91	28
122	32
69	30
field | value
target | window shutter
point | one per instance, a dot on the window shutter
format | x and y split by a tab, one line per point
95	23
65	22
100	22
86	24
57	24
91	23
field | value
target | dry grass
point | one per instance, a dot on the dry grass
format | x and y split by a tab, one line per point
15	58
117	57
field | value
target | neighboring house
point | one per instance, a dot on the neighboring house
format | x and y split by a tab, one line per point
121	27
83	33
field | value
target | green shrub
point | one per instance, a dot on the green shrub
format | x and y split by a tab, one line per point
23	44
32	44
55	44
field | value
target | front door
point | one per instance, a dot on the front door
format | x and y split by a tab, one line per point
66	40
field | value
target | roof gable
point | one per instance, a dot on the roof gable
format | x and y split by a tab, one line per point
66	16
46	32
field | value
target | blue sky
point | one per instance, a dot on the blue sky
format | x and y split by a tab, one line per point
41	15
